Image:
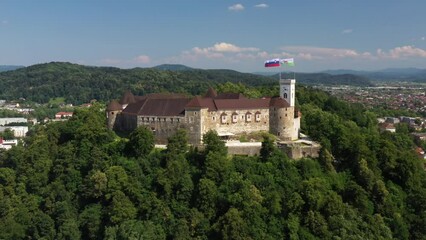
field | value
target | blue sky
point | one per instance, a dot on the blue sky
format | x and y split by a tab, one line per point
239	35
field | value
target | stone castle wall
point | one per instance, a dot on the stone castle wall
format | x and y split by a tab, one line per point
237	121
162	127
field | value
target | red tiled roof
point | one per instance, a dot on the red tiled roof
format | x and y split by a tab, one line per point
194	103
113	106
387	125
162	104
158	107
127	98
211	93
279	102
244	103
64	113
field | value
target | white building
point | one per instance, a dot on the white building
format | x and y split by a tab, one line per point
18	131
5	121
8	144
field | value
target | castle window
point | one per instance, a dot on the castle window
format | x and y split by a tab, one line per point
214	118
257	116
234	117
286	114
195	113
248	117
285	95
223	118
171	119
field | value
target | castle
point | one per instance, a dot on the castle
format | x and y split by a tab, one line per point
228	114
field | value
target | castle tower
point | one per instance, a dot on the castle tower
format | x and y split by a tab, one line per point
288	90
113	109
281	117
195	114
284	118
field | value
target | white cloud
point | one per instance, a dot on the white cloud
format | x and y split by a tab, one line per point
228	47
226	52
402	52
347	31
143	59
423	38
129	62
318	53
229	55
262	5
309	52
4	22
236	7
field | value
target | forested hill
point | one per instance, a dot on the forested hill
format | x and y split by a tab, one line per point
79	84
78	180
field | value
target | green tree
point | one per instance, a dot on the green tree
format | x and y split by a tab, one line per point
7	134
91	222
141	142
121	208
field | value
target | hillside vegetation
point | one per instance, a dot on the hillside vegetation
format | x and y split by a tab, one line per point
78	180
79	84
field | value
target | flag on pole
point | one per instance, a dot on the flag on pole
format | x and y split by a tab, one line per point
288	61
273	63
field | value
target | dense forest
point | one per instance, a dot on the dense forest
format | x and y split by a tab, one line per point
80	84
77	179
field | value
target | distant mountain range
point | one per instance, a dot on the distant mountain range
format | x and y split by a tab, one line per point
388	75
4	68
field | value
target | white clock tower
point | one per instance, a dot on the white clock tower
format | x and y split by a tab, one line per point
288	90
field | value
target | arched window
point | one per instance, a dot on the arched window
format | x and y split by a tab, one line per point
257	116
248	117
223	118
285	95
234	117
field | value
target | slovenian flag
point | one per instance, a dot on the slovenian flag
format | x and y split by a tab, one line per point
288	61
273	63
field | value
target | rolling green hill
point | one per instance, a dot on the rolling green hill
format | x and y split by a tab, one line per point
79	84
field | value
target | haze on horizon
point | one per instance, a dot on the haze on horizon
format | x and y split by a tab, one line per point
239	35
